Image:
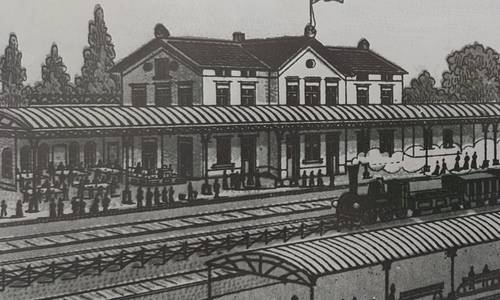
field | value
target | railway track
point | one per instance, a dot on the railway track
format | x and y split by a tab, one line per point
165	225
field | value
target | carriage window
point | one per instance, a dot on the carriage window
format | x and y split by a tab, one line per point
448	138
7	163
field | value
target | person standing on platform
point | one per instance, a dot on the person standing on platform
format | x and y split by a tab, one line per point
60	207
171	193
52	209
457	162
157	196
19	209
190	191
105	203
232	180
75	207
65	191
444	167
81	207
225	184
311	179
94	207
466	161
149	198
3	211
320	178
473	164
164	195
139	197
436	169
304	179
216	189
257	185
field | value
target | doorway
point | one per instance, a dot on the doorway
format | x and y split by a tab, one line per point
185	157
332	154
248	157
149	154
293	158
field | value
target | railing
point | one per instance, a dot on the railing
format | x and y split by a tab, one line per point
434	290
111	261
479	283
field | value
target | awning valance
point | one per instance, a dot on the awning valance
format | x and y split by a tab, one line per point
304	262
123	117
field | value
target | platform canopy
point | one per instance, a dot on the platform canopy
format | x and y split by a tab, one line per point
98	118
304	262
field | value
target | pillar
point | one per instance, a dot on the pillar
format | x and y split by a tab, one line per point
34	162
311	292
126	194
426	130
205	138
279	139
452	253
495	155
386	266
486	162
209	283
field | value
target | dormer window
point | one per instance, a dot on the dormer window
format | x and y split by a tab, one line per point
248	73
162	68
386	77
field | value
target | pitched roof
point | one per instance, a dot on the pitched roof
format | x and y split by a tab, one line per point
277	51
351	60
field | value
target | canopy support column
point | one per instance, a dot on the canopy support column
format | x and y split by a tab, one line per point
279	139
495	154
126	194
311	292
386	266
452	253
34	162
209	283
426	132
486	162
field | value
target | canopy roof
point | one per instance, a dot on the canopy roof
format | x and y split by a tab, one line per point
64	118
304	262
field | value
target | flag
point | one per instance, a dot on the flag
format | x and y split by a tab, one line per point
316	1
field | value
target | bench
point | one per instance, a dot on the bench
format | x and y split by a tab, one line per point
434	290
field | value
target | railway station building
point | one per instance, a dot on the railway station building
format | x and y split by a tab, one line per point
277	106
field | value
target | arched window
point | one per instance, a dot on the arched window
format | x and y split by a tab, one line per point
74	154
89	154
43	156
7	164
26	162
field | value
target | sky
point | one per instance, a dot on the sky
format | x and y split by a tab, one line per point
416	34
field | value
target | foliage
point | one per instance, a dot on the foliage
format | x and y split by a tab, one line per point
423	90
473	74
55	79
98	59
13	74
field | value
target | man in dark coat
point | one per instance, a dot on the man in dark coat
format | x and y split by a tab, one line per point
466	161
81	207
258	185
311	179
3	211
60	208
157	196
171	193
105	203
216	188
52	209
164	195
444	167
473	163
225	184
139	197
320	178
304	179
457	162
149	198
19	209
437	169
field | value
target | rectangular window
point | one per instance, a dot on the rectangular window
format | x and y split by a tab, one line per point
386	77
248	73
292	92
223	72
139	95
363	141
362	94
362	77
163	95
161	69
447	138
222	94
185	93
248	94
386	94
387	141
428	138
313	147
312	93
332	92
223	150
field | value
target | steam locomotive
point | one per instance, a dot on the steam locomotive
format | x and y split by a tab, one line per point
386	200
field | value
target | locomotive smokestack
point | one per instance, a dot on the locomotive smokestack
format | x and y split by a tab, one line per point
353	173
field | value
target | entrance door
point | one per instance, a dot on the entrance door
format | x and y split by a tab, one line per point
332	153
149	154
293	157
248	156
185	157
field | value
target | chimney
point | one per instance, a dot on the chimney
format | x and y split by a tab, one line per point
238	36
364	44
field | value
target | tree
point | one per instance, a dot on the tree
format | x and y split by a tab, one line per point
55	79
13	73
98	59
423	90
473	74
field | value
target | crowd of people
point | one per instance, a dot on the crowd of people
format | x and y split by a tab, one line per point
467	164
